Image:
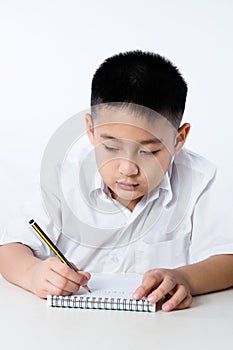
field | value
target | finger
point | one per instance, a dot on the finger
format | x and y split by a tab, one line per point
53	290
65	271
185	303
86	275
180	296
62	283
149	282
50	289
167	285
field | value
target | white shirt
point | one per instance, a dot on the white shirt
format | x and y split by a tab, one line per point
182	221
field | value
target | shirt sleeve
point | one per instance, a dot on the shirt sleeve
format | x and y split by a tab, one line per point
212	232
19	229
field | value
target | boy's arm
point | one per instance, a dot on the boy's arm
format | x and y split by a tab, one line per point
212	274
42	277
15	261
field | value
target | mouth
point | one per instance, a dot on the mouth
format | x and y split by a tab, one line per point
126	186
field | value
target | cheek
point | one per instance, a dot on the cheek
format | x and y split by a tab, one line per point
153	172
101	160
152	168
152	177
164	162
107	168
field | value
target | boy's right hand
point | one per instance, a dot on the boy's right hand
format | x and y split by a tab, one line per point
51	276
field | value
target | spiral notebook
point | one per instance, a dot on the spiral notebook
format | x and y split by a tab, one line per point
108	292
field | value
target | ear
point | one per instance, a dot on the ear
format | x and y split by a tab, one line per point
181	137
89	127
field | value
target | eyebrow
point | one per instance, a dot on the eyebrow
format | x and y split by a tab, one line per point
155	140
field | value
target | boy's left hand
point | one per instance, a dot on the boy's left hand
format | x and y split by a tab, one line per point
157	283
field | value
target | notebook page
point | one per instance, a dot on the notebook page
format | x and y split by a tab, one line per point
112	286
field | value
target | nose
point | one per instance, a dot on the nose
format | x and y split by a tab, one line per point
128	168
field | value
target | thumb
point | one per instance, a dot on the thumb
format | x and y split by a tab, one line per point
86	275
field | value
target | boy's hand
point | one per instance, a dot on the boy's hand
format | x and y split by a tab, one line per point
51	276
157	283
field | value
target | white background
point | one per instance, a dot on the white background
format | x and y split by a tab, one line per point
49	50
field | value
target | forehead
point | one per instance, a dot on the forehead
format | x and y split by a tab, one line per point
127	124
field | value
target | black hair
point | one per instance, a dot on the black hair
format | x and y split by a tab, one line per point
142	78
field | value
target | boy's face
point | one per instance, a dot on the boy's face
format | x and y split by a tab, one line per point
132	153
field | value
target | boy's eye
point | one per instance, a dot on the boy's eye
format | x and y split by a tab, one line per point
110	149
148	153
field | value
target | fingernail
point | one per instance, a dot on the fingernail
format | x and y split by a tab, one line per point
152	298
84	281
136	296
166	307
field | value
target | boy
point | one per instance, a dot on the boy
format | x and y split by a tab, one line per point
149	208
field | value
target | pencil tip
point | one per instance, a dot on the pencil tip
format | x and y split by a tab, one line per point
89	290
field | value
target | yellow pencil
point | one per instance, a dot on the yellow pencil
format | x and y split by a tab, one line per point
54	248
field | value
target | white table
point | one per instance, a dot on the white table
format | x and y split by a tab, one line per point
26	322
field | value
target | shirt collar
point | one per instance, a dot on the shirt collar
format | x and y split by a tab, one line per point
98	186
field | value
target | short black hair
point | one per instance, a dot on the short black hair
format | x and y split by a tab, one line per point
142	78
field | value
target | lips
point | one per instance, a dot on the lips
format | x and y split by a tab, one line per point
126	186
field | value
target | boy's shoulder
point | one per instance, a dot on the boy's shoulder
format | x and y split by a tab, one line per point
195	168
196	162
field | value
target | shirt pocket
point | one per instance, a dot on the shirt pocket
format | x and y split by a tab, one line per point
166	254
